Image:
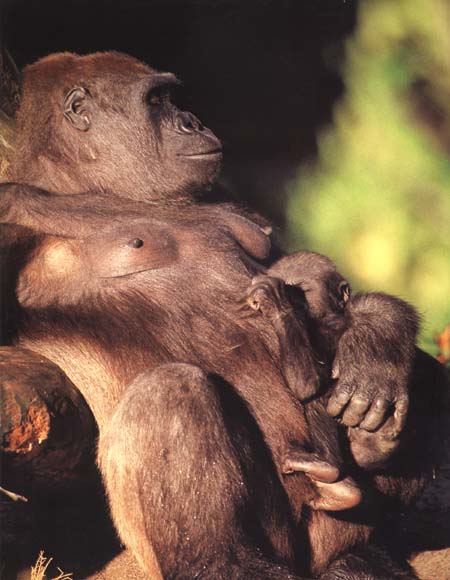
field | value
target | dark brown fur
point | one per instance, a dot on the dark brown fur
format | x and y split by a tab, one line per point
112	334
155	351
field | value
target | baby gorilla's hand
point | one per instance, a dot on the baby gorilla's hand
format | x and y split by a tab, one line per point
369	391
373	370
371	398
372	450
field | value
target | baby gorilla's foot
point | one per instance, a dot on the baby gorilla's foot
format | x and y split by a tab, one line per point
316	468
332	493
335	497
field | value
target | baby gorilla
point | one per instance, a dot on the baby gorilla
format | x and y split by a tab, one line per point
333	312
287	310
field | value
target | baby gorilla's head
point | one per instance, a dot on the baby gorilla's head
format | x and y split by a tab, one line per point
325	290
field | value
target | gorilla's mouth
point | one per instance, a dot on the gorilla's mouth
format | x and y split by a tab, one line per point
213	153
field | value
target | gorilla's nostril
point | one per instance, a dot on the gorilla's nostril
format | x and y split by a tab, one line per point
188	123
187	126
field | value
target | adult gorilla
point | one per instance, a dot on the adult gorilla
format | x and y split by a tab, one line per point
129	287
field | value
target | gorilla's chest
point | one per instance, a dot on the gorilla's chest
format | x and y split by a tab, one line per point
128	251
151	275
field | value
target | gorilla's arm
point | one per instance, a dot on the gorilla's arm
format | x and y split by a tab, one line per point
373	362
269	296
81	215
64	215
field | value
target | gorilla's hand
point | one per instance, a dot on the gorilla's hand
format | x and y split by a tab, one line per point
373	450
367	391
373	362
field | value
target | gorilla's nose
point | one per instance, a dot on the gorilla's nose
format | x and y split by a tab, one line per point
188	123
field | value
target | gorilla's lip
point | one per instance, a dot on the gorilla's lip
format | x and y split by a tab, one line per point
203	154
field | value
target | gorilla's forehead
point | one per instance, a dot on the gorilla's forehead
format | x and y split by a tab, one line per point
68	67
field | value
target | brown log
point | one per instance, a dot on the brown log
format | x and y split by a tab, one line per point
9	100
9	83
47	429
6	139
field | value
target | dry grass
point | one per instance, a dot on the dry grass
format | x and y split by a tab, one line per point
39	569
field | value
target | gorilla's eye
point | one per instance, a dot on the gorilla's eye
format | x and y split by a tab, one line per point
155	99
158	96
345	292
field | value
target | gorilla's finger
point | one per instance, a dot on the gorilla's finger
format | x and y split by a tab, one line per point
356	411
376	415
339	399
400	414
342	495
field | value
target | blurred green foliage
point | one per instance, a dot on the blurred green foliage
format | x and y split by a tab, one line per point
377	200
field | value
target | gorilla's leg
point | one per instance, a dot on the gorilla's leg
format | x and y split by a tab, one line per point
368	563
190	480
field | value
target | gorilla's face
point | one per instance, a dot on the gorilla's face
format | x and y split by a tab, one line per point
136	141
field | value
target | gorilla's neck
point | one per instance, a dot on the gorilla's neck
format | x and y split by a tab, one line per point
45	174
65	177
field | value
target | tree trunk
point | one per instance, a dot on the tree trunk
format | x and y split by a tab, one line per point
47	429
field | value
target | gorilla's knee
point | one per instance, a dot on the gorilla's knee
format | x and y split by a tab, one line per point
181	459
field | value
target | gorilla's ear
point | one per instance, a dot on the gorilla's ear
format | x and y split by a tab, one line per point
78	108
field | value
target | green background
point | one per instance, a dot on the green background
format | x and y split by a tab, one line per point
377	199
